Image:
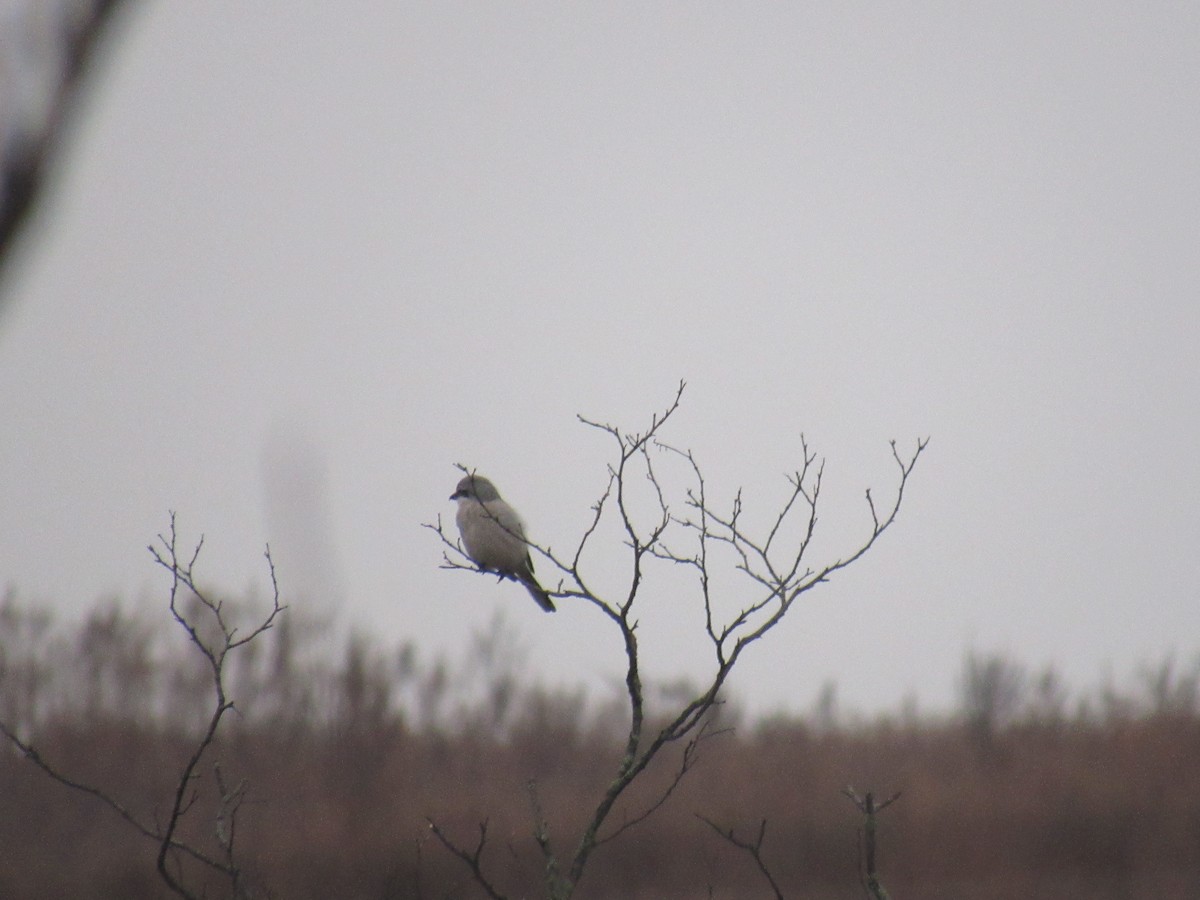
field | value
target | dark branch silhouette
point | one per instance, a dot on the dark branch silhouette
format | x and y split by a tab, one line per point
753	848
869	874
26	161
212	634
870	809
473	859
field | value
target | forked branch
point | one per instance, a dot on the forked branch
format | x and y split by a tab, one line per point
870	810
753	848
473	858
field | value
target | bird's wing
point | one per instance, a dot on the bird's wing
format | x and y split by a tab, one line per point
493	536
508	520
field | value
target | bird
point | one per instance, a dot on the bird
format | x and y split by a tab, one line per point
494	536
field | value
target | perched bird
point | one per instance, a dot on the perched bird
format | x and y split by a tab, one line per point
494	536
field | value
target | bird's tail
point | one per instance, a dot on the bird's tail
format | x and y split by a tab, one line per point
536	591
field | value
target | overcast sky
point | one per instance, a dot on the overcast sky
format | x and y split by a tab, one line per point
303	259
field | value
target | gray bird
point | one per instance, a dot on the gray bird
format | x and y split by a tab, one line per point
494	536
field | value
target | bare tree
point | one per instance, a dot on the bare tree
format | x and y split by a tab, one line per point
690	532
215	637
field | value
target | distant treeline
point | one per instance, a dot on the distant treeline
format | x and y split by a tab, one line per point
1030	791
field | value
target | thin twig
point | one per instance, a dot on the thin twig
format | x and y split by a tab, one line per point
753	848
472	858
688	759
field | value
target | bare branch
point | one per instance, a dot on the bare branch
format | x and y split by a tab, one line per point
151	832
225	827
687	761
472	858
541	834
753	848
31	154
868	807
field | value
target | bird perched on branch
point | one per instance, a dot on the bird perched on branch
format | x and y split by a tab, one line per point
494	536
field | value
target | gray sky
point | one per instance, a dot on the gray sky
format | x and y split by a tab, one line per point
326	252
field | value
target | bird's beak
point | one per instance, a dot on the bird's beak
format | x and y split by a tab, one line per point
455	495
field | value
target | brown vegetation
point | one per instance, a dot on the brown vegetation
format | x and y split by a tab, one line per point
343	761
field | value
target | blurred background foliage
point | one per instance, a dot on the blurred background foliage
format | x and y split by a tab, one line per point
1031	789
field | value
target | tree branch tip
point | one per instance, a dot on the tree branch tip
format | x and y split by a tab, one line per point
889	801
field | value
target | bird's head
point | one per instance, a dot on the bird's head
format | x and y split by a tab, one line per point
475	487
